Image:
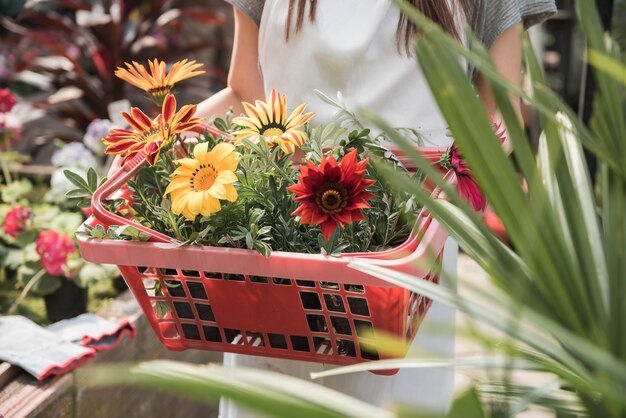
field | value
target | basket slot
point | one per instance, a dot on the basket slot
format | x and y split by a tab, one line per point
196	290
205	313
258	279
358	306
305	283
281	281
334	302
212	275
354	288
311	301
346	348
277	341
169	330
368	353
299	343
341	325
234	277
233	336
190	331
323	345
317	323
212	333
364	329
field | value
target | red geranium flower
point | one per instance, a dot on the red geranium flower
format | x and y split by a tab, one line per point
53	249
333	193
15	220
7	100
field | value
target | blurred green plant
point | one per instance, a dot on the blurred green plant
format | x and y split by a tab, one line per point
80	43
559	295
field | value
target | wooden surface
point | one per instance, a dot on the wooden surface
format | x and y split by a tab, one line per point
22	396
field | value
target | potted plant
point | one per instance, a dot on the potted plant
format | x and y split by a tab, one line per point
38	251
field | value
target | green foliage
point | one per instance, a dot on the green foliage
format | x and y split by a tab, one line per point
261	217
559	291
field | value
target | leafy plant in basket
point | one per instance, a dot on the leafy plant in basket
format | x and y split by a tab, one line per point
291	201
241	184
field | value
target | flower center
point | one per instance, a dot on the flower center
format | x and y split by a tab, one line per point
152	135
273	131
204	178
331	199
160	91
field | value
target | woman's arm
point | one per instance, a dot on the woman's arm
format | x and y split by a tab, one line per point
244	78
506	53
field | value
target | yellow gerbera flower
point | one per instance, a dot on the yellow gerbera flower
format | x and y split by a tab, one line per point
158	83
199	183
269	119
150	135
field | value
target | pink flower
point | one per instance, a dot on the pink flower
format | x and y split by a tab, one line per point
467	187
53	249
16	219
7	100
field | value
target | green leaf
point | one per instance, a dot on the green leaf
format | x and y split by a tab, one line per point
77	193
92	179
77	181
272	394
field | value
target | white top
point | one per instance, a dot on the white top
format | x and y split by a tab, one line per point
350	48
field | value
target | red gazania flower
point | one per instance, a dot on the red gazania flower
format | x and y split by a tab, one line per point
467	187
7	100
333	193
150	135
15	220
53	249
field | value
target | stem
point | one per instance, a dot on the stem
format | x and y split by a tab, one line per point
5	171
32	282
174	225
169	160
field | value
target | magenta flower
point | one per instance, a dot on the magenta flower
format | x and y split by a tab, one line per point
53	249
467	187
15	220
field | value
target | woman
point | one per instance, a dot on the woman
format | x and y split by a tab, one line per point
362	48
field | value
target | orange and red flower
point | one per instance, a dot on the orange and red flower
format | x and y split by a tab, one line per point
158	83
150	135
333	193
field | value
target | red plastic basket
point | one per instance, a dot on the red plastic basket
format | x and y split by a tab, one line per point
294	306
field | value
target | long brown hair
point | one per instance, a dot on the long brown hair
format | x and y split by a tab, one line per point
438	11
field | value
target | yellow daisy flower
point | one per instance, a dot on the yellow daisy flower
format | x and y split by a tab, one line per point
269	119
158	83
199	183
